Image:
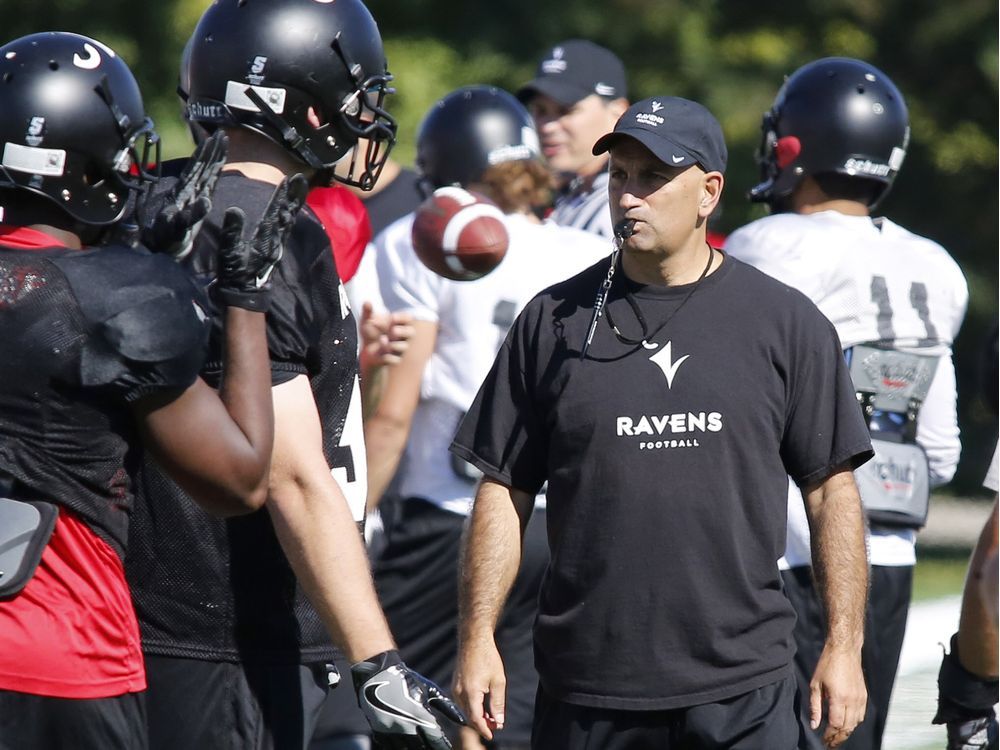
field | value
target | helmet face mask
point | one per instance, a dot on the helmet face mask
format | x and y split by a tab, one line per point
74	129
470	130
835	115
309	76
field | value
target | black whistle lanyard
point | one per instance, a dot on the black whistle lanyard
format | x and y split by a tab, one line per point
601	309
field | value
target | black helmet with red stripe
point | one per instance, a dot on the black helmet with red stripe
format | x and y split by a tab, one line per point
836	115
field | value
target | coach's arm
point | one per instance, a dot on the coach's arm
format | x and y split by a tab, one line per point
840	566
490	560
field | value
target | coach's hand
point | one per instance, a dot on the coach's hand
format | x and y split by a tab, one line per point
839	683
173	229
245	265
481	685
396	701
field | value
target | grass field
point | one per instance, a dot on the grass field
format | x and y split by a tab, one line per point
939	573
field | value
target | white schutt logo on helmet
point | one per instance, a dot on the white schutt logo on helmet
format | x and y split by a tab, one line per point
866	166
35	130
255	76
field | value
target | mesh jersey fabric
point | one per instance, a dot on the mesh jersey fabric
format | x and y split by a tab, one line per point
223	589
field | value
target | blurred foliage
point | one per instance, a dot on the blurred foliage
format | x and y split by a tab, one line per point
730	55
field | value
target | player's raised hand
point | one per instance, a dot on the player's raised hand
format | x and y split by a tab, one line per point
246	264
174	226
397	702
385	337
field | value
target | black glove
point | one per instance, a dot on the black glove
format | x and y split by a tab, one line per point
245	265
172	230
395	700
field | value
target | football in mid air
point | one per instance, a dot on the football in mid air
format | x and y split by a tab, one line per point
459	235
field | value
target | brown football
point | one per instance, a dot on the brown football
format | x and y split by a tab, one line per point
459	234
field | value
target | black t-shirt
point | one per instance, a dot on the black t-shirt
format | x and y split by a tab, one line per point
398	198
85	333
667	477
223	589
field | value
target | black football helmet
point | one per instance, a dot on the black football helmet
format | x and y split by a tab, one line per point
73	128
308	74
835	115
470	130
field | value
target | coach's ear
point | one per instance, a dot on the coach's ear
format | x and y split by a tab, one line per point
711	193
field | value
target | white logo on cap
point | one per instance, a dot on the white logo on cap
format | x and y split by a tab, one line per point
657	106
554	64
603	89
677	159
645	118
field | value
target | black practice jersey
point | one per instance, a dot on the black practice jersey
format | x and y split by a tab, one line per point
223	589
85	333
667	467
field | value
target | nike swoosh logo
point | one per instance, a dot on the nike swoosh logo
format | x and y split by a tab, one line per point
662	359
373	699
677	159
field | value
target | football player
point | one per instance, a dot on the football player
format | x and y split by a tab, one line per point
238	617
102	349
833	143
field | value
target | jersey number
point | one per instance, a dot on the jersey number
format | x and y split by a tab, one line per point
918	301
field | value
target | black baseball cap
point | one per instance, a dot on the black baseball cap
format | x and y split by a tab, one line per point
575	69
678	131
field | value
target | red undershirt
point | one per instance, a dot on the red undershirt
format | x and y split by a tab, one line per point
72	631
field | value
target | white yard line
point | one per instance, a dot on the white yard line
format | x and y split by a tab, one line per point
914	698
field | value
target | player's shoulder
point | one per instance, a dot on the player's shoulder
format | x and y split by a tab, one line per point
919	247
776	233
397	233
144	306
763	293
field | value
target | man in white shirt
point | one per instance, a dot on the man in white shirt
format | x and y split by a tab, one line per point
832	145
577	95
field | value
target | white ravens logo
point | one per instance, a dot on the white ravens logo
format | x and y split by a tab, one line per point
663	360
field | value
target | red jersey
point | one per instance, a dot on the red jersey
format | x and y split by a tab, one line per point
345	220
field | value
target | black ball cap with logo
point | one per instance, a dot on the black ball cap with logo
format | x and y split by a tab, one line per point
575	69
679	132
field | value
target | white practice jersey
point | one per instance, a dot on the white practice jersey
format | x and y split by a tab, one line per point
875	281
586	209
472	318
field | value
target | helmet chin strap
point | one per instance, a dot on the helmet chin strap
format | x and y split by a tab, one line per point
292	138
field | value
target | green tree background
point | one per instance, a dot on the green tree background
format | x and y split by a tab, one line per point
730	55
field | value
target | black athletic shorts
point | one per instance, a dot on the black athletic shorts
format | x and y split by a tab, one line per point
417	581
762	719
28	722
226	706
885	625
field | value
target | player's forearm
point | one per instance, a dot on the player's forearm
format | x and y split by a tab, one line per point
372	386
840	557
321	541
385	441
490	558
246	393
